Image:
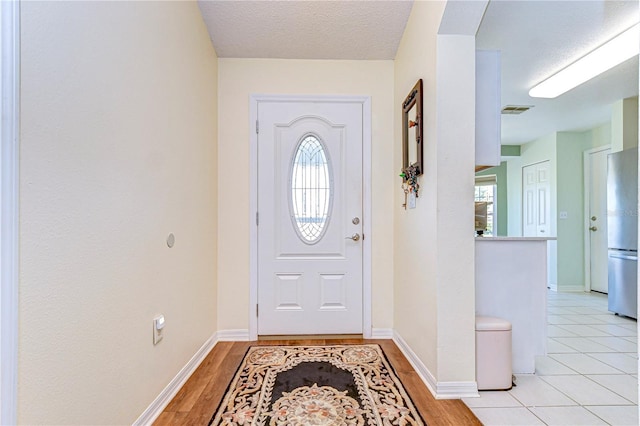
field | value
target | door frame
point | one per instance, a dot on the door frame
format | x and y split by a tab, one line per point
9	222
365	101
586	167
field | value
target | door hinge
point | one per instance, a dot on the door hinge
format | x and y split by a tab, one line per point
257	127
257	309
257	218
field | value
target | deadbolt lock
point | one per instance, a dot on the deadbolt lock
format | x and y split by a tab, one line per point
355	220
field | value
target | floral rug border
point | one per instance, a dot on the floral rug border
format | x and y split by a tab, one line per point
248	398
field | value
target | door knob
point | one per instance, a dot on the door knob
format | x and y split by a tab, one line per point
354	237
593	228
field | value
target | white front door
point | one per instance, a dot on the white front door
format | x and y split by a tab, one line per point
598	220
310	217
536	200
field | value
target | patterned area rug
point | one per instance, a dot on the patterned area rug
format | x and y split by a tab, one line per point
316	385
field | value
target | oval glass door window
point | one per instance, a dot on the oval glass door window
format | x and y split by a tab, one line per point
311	190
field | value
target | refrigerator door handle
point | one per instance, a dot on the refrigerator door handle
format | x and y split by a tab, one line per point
624	256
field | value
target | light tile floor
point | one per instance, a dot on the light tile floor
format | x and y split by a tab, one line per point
589	376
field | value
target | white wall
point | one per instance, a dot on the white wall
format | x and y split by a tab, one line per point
238	78
118	149
455	124
624	124
434	291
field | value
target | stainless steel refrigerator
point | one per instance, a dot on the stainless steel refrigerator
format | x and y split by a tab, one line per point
622	222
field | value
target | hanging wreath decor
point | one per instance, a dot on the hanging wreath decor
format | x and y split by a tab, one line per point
409	177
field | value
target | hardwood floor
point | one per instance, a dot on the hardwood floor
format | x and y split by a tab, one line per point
196	402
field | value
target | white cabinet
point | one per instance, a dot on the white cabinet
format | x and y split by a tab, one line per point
488	108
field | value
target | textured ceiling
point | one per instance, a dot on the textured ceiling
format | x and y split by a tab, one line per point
537	39
306	29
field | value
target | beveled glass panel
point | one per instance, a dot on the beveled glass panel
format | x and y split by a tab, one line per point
311	191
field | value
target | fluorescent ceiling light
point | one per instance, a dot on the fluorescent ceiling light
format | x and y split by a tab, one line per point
607	56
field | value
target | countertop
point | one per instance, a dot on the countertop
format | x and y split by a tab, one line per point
516	238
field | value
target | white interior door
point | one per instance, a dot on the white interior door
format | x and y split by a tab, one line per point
529	204
597	211
310	217
536	200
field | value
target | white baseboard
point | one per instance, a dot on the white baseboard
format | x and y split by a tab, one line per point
382	333
239	335
158	405
567	288
440	390
455	390
575	288
416	363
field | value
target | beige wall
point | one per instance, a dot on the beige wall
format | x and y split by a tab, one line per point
237	79
118	149
415	256
434	290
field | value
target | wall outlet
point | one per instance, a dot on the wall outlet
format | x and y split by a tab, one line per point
564	215
158	327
